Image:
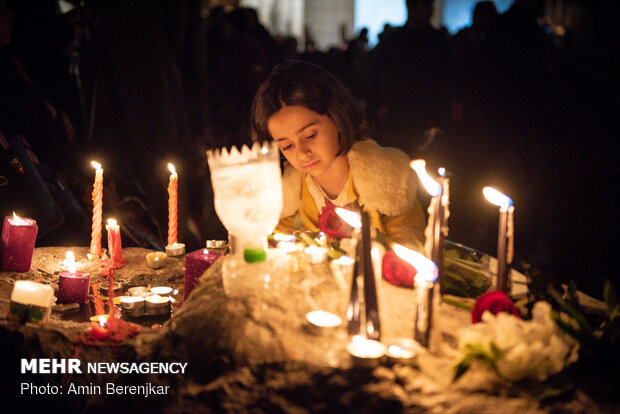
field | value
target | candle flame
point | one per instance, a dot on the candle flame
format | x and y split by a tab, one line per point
205	251
171	168
70	262
112	223
19	221
432	186
279	237
441	171
351	217
103	320
426	268
497	198
95	165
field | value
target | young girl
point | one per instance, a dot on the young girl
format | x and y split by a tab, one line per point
312	117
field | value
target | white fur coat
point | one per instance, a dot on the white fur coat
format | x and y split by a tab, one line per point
381	177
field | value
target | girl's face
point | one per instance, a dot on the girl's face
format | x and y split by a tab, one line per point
308	140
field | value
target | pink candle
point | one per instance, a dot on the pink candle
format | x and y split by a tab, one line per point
17	243
195	265
115	249
73	285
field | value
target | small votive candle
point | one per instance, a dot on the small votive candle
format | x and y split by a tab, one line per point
322	322
196	263
365	353
139	291
133	306
402	350
73	286
342	270
100	330
175	249
157	305
316	254
156	260
295	258
17	243
161	290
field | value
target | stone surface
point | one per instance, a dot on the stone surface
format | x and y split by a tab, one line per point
248	349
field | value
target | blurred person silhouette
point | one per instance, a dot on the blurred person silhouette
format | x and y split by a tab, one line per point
409	73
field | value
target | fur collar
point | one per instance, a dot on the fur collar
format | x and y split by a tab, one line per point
381	176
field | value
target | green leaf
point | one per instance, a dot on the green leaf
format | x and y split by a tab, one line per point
572	311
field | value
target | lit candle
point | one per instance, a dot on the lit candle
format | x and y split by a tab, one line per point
426	306
157	305
72	285
505	239
196	263
132	306
115	247
365	353
156	260
100	330
436	230
17	243
95	237
172	205
402	350
322	322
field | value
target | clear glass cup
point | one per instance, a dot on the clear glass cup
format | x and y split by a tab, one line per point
247	188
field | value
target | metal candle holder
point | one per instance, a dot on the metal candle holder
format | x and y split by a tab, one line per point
363	265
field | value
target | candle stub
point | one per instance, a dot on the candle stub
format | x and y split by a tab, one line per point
132	306
175	249
157	305
161	290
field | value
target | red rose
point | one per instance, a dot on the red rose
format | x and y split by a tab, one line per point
332	225
495	302
397	271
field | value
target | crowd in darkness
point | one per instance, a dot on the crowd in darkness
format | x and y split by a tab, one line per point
136	84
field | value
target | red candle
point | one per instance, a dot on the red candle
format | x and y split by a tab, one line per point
115	249
195	265
100	330
172	205
95	237
17	243
73	285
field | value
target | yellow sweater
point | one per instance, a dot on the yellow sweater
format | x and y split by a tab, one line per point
381	181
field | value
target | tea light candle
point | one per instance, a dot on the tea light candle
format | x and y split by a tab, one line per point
365	353
161	290
156	260
196	263
100	330
175	249
402	350
133	306
322	322
157	305
17	243
73	285
139	291
316	254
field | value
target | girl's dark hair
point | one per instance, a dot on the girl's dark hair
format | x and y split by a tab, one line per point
308	85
